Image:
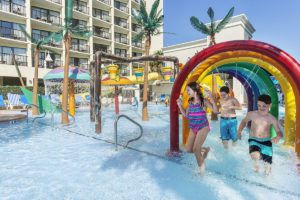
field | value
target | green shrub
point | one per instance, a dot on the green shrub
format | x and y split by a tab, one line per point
16	90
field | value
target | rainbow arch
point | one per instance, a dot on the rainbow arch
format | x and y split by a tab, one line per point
239	58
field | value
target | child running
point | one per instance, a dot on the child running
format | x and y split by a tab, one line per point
198	123
260	142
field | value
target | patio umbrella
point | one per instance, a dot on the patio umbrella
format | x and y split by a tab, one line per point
116	82
79	78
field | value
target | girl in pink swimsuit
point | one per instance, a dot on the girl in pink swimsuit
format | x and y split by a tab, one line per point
198	123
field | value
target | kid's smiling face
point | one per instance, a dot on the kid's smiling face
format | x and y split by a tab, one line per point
263	108
190	92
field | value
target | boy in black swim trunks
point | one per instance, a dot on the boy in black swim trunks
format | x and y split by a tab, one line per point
260	141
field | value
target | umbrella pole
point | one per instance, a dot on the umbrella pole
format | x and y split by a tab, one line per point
116	100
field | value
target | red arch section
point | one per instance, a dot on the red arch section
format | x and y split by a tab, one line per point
288	63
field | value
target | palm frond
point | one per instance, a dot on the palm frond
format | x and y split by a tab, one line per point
154	9
143	11
225	21
199	26
137	16
211	14
138	37
22	28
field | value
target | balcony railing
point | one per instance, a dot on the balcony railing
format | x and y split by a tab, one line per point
122	8
13	8
138	44
81	48
136	28
121	40
122	55
122	24
38	37
104	50
48	65
12	33
44	17
81	8
102	34
105	1
8	59
102	17
136	1
55	1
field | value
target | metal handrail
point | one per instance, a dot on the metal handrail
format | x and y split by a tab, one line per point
116	130
39	117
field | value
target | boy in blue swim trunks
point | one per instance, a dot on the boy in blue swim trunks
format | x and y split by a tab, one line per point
228	122
260	141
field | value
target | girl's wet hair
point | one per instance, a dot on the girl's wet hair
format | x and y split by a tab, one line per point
196	88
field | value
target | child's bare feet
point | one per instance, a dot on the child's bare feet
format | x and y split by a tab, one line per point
202	168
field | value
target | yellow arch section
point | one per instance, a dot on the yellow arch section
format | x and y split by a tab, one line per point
267	63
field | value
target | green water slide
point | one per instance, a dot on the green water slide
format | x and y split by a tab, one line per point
44	104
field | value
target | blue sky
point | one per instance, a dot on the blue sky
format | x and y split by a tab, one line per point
276	22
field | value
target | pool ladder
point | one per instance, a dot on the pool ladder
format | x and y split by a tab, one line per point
35	118
116	130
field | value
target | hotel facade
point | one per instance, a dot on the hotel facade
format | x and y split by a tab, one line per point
111	21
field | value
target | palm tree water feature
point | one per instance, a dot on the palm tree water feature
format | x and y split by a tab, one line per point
65	33
100	58
150	24
78	83
38	47
211	29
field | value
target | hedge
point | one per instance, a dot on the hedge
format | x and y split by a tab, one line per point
16	90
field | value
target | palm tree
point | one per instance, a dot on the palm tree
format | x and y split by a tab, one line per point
211	29
150	24
38	46
66	33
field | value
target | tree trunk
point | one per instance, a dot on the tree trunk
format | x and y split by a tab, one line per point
214	117
64	106
35	110
145	116
18	70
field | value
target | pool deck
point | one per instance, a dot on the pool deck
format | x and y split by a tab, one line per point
12	115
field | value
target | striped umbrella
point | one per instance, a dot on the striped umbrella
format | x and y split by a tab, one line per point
74	73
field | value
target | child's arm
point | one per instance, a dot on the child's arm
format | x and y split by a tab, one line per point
243	124
277	129
179	103
211	105
237	105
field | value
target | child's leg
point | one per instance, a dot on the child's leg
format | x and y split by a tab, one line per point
267	168
255	157
197	148
190	141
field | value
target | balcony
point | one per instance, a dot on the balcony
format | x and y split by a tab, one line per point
138	44
101	49
125	55
122	24
48	65
82	48
7	59
81	8
55	1
136	1
102	34
45	17
122	8
12	33
107	2
121	40
102	17
12	8
136	28
38	37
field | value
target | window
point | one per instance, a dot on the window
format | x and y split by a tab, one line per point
7	54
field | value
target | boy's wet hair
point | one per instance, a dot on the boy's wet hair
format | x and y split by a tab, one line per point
265	98
224	89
